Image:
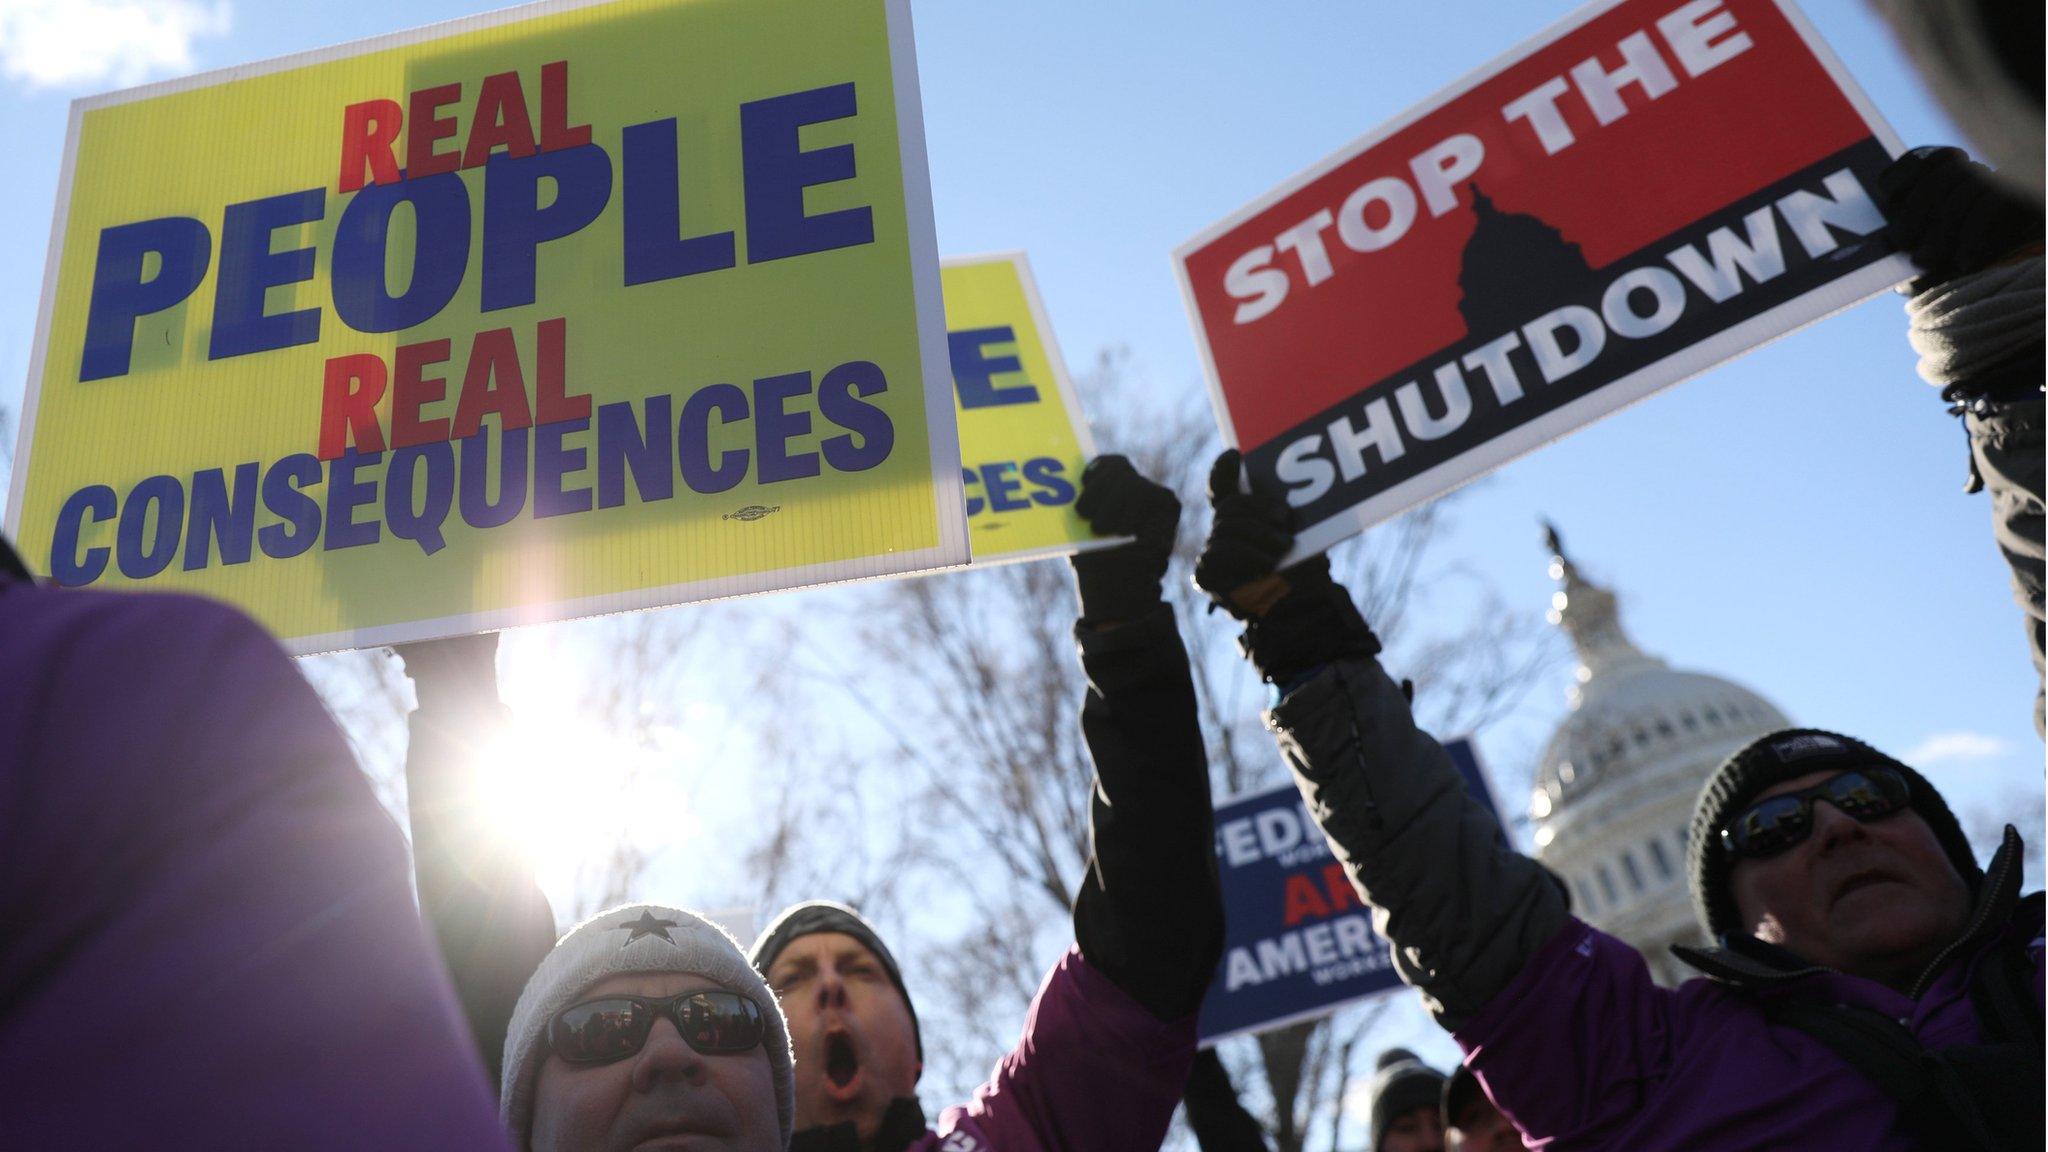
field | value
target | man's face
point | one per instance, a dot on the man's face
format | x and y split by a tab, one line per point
1416	1130
1875	900
666	1098
849	1029
1481	1128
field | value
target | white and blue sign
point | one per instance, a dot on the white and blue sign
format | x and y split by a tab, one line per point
1299	943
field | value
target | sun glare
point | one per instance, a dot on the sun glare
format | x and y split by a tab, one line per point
566	793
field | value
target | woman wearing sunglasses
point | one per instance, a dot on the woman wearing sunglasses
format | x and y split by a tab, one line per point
1873	988
646	1028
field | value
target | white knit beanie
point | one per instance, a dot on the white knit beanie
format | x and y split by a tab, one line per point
630	939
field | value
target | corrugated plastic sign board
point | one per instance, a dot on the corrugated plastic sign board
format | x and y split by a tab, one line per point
1023	436
1640	192
563	310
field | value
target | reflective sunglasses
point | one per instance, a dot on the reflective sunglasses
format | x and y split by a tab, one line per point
1772	825
712	1021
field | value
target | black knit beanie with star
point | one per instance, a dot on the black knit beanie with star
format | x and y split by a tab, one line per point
1785	755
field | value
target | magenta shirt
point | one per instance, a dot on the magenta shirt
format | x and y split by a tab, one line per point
1094	1070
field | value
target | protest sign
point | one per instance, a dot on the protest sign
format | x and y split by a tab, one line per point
1640	192
1023	437
569	309
1298	942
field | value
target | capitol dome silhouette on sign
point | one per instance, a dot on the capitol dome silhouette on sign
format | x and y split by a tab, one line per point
1614	793
1515	268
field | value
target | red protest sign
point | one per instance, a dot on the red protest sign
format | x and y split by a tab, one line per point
1643	190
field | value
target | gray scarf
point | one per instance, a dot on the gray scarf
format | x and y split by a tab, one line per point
1976	321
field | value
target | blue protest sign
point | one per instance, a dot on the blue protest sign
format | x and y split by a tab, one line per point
1299	942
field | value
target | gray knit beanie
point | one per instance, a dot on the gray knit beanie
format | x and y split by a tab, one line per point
1401	1084
1784	755
633	938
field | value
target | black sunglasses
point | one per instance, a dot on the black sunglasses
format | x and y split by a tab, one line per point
1772	825
714	1022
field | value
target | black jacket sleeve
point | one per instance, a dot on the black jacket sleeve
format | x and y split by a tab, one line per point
477	894
1462	908
1150	913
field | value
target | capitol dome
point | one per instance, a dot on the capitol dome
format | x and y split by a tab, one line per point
1614	793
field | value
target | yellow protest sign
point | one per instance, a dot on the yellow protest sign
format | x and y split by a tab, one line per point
569	309
1023	436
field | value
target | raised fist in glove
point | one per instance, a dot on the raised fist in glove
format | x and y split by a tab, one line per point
1296	618
1950	216
1122	583
1239	566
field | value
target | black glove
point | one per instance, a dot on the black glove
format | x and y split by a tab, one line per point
1950	216
1296	619
1121	584
1249	534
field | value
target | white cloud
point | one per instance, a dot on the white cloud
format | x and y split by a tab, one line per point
117	43
1951	747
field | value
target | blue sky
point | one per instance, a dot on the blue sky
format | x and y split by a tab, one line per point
1793	519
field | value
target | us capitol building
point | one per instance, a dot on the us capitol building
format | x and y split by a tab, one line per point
1614	792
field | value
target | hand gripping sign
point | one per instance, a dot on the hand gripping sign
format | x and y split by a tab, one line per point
563	310
1299	943
1644	190
1023	437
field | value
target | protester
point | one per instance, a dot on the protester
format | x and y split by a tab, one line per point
863	1050
1873	988
207	937
1976	320
582	1067
1471	1122
1406	1113
647	1026
1110	1035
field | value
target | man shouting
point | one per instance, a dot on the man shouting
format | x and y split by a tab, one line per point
1109	1038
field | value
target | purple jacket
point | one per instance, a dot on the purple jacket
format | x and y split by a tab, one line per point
1094	1070
1583	1051
1562	1023
207	937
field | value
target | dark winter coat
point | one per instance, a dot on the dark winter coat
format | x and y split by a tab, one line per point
2006	453
1979	336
